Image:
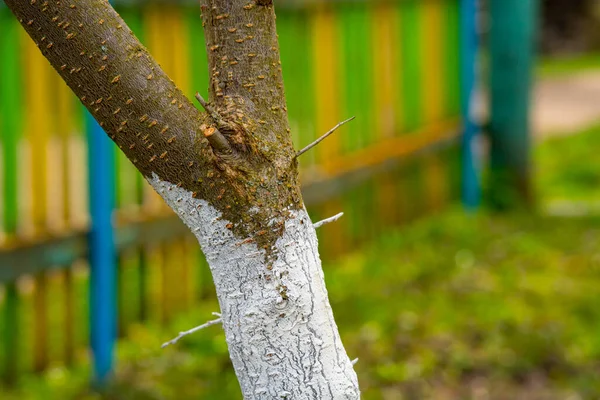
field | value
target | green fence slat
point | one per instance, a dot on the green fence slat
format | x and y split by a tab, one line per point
10	334
290	41
295	47
356	54
198	58
307	74
10	116
410	46
10	130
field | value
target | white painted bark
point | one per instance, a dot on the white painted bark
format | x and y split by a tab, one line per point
279	327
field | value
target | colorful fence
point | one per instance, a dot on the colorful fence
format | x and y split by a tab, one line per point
395	65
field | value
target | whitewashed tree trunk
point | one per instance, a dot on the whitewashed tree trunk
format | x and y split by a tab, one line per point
280	330
231	174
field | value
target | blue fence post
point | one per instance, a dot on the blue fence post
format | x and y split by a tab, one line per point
103	311
471	190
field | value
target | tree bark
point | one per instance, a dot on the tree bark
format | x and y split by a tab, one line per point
230	174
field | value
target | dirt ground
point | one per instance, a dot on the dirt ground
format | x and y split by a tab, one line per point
561	105
566	104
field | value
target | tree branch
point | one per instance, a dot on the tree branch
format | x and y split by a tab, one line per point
319	140
243	58
117	80
193	330
328	220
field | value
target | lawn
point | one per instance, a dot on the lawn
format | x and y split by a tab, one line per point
548	67
567	172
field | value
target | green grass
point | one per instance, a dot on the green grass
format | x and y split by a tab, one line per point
568	168
505	300
566	65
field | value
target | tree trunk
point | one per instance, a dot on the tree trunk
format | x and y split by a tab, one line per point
230	174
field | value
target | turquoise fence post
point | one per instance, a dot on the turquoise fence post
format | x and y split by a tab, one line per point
471	188
511	42
102	252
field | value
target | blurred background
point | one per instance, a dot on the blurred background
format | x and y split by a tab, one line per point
467	265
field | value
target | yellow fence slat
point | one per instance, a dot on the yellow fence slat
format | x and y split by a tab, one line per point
436	181
385	54
192	269
325	67
69	317
433	97
156	17
65	126
179	38
387	205
388	115
155	306
39	123
433	20
65	110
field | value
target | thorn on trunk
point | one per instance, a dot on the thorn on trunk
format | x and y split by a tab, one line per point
319	140
328	220
216	139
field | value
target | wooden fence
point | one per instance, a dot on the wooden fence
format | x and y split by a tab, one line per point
395	65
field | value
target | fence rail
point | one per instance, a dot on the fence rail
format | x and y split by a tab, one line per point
395	65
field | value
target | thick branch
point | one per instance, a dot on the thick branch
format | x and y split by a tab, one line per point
243	57
116	79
